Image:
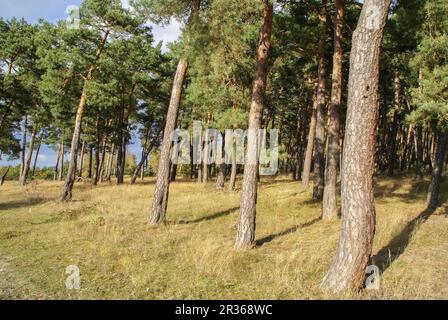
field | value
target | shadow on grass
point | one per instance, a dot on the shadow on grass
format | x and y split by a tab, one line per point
21	203
396	247
271	237
208	218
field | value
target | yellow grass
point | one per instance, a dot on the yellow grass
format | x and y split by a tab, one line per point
104	232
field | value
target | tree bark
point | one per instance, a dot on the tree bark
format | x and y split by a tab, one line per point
66	193
394	128
233	169
35	157
96	165
56	167
3	177
418	153
61	165
159	204
436	177
310	145
81	160
23	151
246	227
329	205
358	208
29	156
319	140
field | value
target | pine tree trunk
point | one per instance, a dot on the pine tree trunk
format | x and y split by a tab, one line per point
110	162
233	169
3	177
329	205
66	193
160	200
319	140
89	171
56	167
61	165
29	156
35	158
81	160
418	153
310	145
436	177
96	165
205	168
222	168
23	151
246	227
394	128
358	208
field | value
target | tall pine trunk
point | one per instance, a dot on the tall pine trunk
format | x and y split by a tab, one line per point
329	206
358	204
319	142
310	145
29	156
35	157
160	200
436	177
246	227
66	193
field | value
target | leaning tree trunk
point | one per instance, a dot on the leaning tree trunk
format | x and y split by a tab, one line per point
434	186
35	157
29	156
160	200
319	140
310	145
56	167
358	208
3	177
145	153
246	227
66	193
329	205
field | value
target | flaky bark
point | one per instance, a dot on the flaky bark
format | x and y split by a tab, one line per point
329	205
160	200
246	227
358	208
66	193
319	139
436	177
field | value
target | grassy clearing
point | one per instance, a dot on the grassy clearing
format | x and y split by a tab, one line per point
104	232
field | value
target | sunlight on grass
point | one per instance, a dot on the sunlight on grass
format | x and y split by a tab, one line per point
104	232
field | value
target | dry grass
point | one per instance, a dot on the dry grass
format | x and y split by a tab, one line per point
104	231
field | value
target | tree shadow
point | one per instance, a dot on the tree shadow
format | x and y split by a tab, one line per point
396	247
208	218
267	239
21	203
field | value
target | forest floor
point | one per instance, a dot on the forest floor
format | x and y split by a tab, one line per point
104	232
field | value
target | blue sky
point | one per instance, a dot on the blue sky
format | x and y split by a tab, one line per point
54	10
